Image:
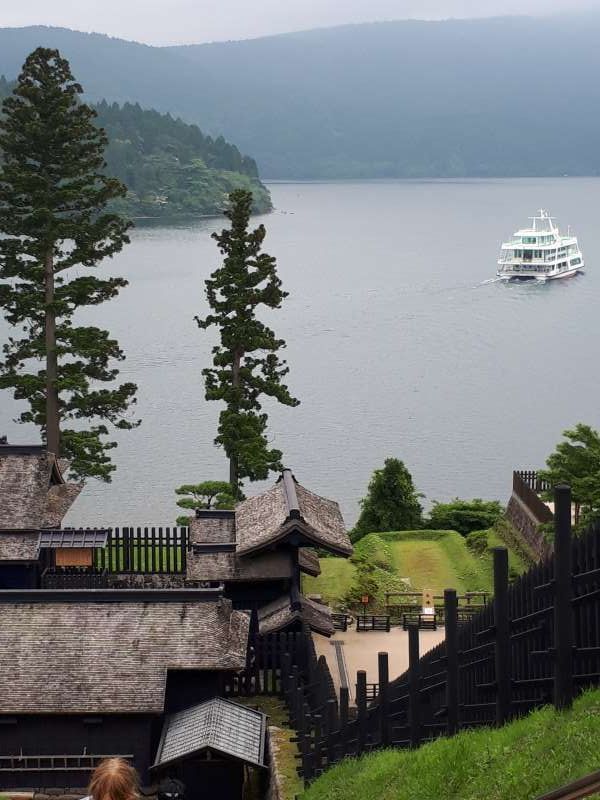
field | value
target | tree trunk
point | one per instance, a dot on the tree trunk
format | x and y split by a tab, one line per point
52	421
233	458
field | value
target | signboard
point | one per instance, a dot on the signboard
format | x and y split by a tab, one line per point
365	599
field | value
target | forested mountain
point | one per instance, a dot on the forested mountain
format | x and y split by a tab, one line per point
168	166
505	96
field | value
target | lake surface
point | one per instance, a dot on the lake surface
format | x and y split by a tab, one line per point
397	346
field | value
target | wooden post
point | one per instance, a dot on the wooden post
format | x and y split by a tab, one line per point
344	705
317	755
450	615
563	596
414	685
502	626
361	705
332	727
384	699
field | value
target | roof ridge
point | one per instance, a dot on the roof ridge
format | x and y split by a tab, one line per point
291	497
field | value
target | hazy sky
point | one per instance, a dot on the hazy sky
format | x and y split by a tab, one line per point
185	21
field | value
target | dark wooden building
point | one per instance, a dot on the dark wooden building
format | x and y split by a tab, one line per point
33	495
93	673
259	551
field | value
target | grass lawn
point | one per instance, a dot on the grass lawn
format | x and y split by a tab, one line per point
285	749
334	581
438	560
529	757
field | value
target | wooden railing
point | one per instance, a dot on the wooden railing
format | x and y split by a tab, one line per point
523	490
577	790
532	479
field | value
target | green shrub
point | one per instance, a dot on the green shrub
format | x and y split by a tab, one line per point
477	542
464	516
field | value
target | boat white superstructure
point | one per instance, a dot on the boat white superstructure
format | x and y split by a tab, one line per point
540	253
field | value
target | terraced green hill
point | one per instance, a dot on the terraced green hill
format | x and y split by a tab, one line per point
408	560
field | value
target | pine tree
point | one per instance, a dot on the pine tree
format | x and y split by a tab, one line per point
53	195
246	365
392	502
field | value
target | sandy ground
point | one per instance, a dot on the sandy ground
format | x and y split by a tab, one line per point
360	652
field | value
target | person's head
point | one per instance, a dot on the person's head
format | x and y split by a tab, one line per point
114	779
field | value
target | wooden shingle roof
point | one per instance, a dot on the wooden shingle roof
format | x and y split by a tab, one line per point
111	657
280	614
33	492
287	509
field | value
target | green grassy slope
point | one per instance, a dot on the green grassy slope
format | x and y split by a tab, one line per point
438	560
334	581
518	762
435	560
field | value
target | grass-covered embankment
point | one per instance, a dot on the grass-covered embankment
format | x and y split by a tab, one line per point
413	560
520	761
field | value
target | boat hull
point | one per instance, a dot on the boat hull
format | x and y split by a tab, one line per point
568	273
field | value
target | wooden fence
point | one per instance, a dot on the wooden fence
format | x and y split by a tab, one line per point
144	550
537	642
531	478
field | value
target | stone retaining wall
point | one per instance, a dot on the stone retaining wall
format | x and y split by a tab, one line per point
528	526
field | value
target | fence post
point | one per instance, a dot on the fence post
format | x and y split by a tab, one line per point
332	724
361	705
344	705
414	685
317	754
502	644
384	699
451	622
563	595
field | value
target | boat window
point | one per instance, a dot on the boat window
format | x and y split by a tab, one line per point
529	240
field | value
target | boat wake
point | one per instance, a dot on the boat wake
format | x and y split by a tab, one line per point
489	280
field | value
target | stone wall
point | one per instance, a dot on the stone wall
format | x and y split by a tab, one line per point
523	520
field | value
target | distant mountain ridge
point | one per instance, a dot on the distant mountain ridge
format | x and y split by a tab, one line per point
488	97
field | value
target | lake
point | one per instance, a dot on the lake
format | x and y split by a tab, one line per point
397	345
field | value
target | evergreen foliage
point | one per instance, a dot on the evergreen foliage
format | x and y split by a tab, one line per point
208	494
53	196
170	168
576	462
246	365
392	503
464	516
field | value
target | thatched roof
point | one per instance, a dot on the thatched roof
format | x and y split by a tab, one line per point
20	546
33	492
280	614
288	510
111	657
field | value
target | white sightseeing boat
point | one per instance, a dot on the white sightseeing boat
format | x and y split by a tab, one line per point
540	253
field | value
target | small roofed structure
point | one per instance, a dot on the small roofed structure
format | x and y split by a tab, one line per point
33	491
219	726
289	511
214	747
260	549
283	614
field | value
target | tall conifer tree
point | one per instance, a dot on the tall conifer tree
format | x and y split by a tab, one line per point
53	197
246	364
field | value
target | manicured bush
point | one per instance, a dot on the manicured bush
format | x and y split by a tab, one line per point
477	541
464	516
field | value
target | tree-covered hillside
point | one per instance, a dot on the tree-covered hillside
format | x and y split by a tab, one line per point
168	166
505	96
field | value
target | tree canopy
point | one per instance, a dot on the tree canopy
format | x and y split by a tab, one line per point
246	363
208	494
464	516
53	196
576	462
392	502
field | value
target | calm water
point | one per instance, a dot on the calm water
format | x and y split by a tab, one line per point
396	345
